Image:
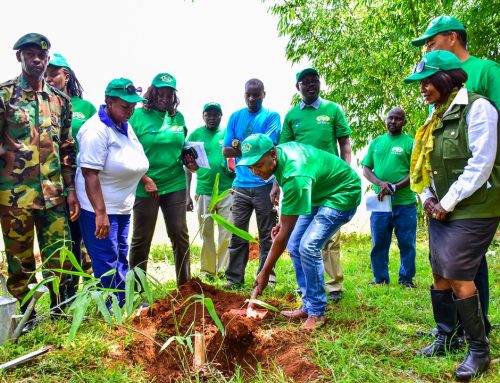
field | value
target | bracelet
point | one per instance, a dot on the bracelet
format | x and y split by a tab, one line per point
70	188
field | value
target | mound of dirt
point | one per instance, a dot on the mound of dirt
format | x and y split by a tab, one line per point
247	342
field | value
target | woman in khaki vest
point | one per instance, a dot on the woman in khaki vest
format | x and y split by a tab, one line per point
455	167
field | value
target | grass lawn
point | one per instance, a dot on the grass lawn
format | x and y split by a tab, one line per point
370	336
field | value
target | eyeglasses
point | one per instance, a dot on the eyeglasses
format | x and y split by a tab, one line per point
130	89
422	65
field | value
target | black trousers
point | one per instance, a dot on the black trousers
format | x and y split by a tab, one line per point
245	201
173	207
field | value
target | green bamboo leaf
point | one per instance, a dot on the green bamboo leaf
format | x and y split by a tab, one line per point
72	259
117	311
220	197
209	304
101	305
233	229
129	293
263	304
55	284
146	289
189	343
32	291
215	193
78	314
109	273
71	272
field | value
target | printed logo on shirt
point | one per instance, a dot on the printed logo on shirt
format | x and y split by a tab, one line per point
323	119
78	116
398	150
177	129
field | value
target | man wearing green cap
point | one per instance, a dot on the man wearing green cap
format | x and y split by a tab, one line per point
37	164
213	259
322	124
320	194
483	77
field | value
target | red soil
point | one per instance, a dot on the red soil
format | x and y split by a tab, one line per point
247	342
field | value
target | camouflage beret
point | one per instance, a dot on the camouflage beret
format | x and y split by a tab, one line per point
32	39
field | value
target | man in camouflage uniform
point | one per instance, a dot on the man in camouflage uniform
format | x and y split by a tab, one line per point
37	161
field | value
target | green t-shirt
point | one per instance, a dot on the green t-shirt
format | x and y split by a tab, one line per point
389	158
162	138
82	111
483	78
312	177
317	127
213	140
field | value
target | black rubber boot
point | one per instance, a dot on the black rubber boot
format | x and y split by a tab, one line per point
478	355
445	315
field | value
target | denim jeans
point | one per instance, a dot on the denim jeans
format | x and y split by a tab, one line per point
306	241
110	252
403	220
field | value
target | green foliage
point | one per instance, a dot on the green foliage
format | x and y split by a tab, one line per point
362	49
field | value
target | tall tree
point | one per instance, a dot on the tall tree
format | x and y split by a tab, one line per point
362	49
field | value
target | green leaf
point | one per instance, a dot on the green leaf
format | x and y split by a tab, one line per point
55	284
189	343
167	343
117	311
109	273
32	291
209	304
215	193
219	198
233	229
146	289
129	292
262	303
78	314
97	296
71	272
72	259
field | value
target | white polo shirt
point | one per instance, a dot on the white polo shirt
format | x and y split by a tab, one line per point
120	160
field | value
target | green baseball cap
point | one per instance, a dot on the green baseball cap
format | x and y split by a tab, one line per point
36	39
253	148
58	59
123	88
163	80
437	25
212	105
303	72
433	62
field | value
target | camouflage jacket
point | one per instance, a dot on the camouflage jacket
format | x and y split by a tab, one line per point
37	152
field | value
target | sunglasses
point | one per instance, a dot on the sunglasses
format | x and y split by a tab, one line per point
422	65
130	89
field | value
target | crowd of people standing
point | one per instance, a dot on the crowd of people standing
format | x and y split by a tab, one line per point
75	172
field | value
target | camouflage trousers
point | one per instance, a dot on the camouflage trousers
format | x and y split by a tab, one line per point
18	228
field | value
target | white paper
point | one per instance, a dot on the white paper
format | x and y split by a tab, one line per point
373	204
202	159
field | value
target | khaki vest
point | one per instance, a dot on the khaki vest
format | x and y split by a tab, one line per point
449	158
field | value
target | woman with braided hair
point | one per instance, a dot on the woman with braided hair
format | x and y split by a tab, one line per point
60	75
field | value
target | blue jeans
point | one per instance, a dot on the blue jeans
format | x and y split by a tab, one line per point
403	220
306	241
110	252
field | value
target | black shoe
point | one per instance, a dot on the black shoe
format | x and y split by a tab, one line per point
409	285
445	315
335	296
478	355
373	283
234	285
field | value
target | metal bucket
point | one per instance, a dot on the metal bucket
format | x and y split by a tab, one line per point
7	313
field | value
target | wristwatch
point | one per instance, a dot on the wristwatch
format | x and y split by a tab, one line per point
235	143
